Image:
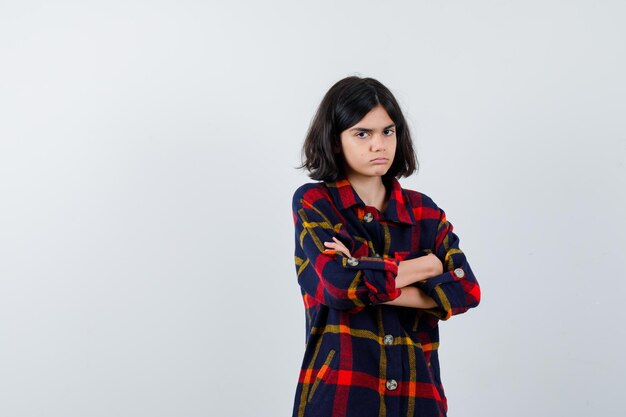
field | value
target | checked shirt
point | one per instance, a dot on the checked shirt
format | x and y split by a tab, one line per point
363	358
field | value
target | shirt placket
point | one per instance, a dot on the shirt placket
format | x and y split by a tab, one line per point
388	331
370	218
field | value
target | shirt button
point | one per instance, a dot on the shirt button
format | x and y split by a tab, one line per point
459	273
388	340
353	261
391	384
368	217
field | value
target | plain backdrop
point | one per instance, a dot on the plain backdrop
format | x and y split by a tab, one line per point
147	154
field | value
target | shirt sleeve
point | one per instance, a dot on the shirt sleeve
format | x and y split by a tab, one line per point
329	277
456	290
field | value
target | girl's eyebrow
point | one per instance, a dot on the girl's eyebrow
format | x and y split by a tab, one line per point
362	129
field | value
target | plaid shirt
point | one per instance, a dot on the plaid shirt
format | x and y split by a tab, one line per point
364	358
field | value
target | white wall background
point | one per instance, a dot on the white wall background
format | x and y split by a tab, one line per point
146	173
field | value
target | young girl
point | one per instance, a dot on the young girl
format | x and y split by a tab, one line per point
378	265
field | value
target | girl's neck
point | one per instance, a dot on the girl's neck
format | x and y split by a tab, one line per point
371	190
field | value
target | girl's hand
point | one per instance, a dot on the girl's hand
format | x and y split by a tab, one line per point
338	246
418	269
435	263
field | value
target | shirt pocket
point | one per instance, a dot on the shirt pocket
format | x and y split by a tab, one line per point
322	376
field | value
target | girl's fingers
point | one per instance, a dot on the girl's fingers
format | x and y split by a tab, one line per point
338	246
338	242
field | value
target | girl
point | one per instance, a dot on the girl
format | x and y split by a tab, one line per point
378	265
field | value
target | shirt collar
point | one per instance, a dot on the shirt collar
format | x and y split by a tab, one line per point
398	207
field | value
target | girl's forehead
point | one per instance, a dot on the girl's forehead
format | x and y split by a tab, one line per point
377	117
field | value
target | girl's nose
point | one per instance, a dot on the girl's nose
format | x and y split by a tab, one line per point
378	142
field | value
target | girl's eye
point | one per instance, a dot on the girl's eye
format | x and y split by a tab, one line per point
388	132
361	135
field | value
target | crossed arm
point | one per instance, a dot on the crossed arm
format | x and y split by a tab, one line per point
409	272
345	283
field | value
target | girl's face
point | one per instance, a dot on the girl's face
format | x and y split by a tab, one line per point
369	146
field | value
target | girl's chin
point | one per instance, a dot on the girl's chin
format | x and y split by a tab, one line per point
368	173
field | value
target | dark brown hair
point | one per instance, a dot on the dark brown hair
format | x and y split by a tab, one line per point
347	102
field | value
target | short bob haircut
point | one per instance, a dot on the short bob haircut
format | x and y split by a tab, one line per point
347	102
